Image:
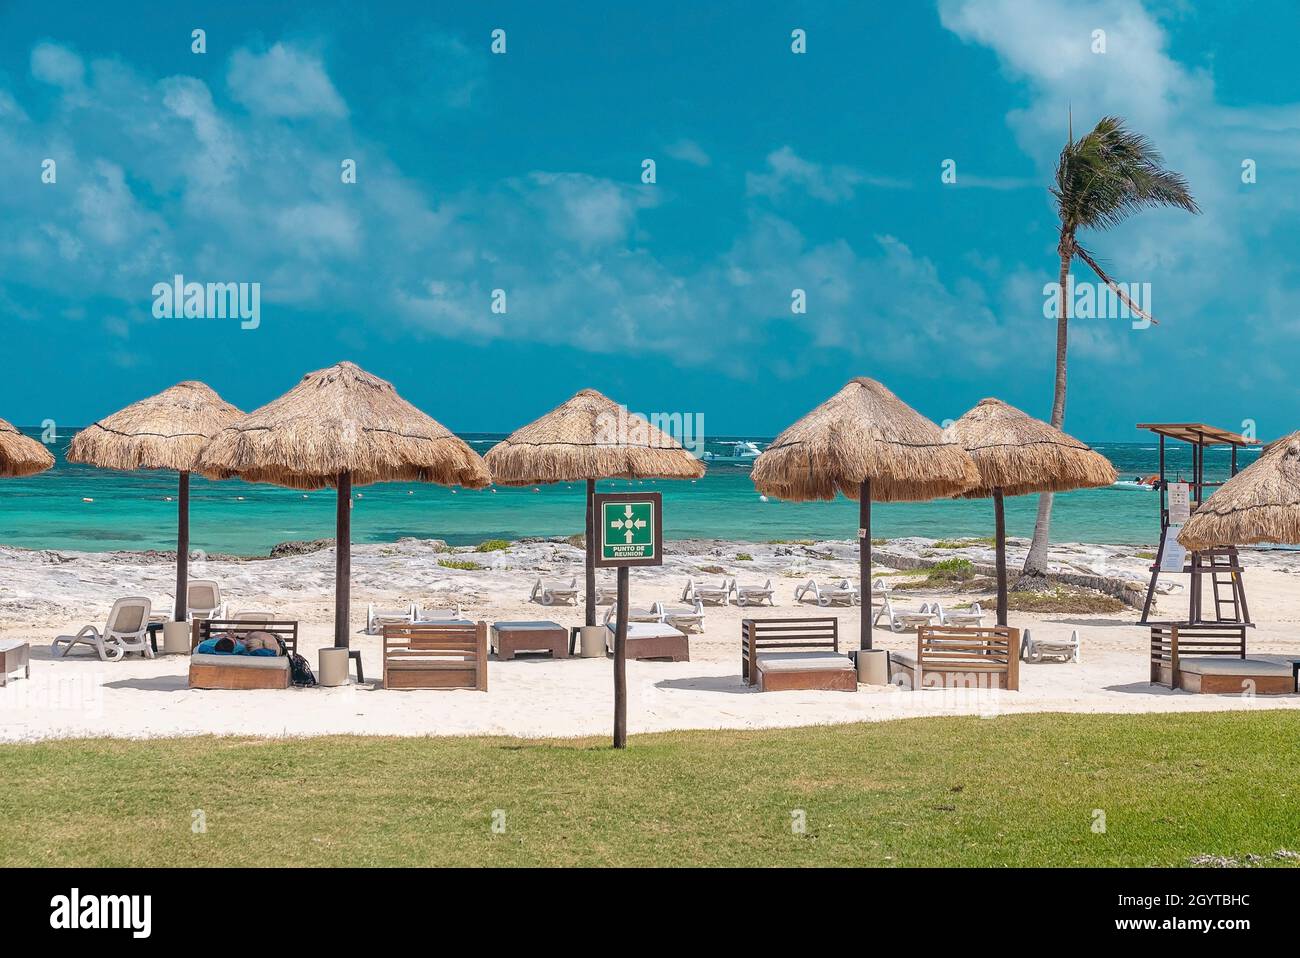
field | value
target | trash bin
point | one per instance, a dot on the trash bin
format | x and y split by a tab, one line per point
592	641
176	638
873	667
333	667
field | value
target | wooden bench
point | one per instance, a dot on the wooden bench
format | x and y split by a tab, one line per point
782	654
241	671
440	655
1210	657
961	657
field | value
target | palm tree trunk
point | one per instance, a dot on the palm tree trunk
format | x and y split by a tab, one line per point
1036	561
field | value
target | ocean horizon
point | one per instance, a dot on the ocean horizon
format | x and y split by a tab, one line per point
137	510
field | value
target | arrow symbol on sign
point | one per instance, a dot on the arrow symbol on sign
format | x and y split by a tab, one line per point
629	534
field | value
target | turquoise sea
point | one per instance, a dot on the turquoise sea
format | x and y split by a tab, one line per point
131	511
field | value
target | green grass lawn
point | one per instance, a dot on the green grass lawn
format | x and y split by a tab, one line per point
1013	790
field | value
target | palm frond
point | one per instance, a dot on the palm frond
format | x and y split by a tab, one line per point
1111	173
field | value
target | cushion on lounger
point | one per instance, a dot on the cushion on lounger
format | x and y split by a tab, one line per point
1225	665
811	661
242	661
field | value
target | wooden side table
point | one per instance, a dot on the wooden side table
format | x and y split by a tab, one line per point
15	655
511	638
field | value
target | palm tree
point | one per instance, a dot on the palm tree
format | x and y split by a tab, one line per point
1101	180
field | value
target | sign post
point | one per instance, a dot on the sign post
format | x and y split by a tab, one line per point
629	531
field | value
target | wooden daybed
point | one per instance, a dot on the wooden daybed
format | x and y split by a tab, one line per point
1210	658
960	657
653	640
241	671
783	654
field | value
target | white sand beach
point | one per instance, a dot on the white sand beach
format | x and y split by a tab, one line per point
51	593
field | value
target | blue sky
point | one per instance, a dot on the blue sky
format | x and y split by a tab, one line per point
522	172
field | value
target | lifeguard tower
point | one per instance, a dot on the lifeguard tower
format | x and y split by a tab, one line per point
1178	500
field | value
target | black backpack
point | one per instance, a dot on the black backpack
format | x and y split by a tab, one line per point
300	672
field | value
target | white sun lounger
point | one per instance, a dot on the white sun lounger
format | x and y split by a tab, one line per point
900	620
555	593
1035	650
973	616
606	594
754	594
687	620
450	613
377	618
708	594
127	630
203	600
843	592
653	614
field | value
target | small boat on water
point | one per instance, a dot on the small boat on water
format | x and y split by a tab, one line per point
737	450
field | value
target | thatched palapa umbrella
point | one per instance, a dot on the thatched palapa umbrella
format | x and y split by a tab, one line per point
1259	504
868	444
20	455
341	427
1017	455
165	431
589	437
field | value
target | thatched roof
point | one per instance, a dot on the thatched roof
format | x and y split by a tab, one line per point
165	431
336	420
589	437
20	455
1020	455
862	432
1259	504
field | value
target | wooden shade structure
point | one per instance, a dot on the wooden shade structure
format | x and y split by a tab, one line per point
1017	455
586	438
868	444
165	431
1259	504
21	455
341	427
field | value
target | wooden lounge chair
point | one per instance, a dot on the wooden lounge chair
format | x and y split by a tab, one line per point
555	593
783	654
1036	650
902	619
843	592
753	594
127	630
203	600
241	671
960	657
653	640
709	595
436	656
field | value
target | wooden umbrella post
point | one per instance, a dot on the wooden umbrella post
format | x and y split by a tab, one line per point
591	554
343	559
182	548
620	663
1000	534
864	560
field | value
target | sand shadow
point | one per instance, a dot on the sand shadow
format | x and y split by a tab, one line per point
1142	688
709	683
1088	623
157	683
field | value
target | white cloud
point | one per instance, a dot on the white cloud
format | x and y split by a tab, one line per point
283	81
57	65
688	151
